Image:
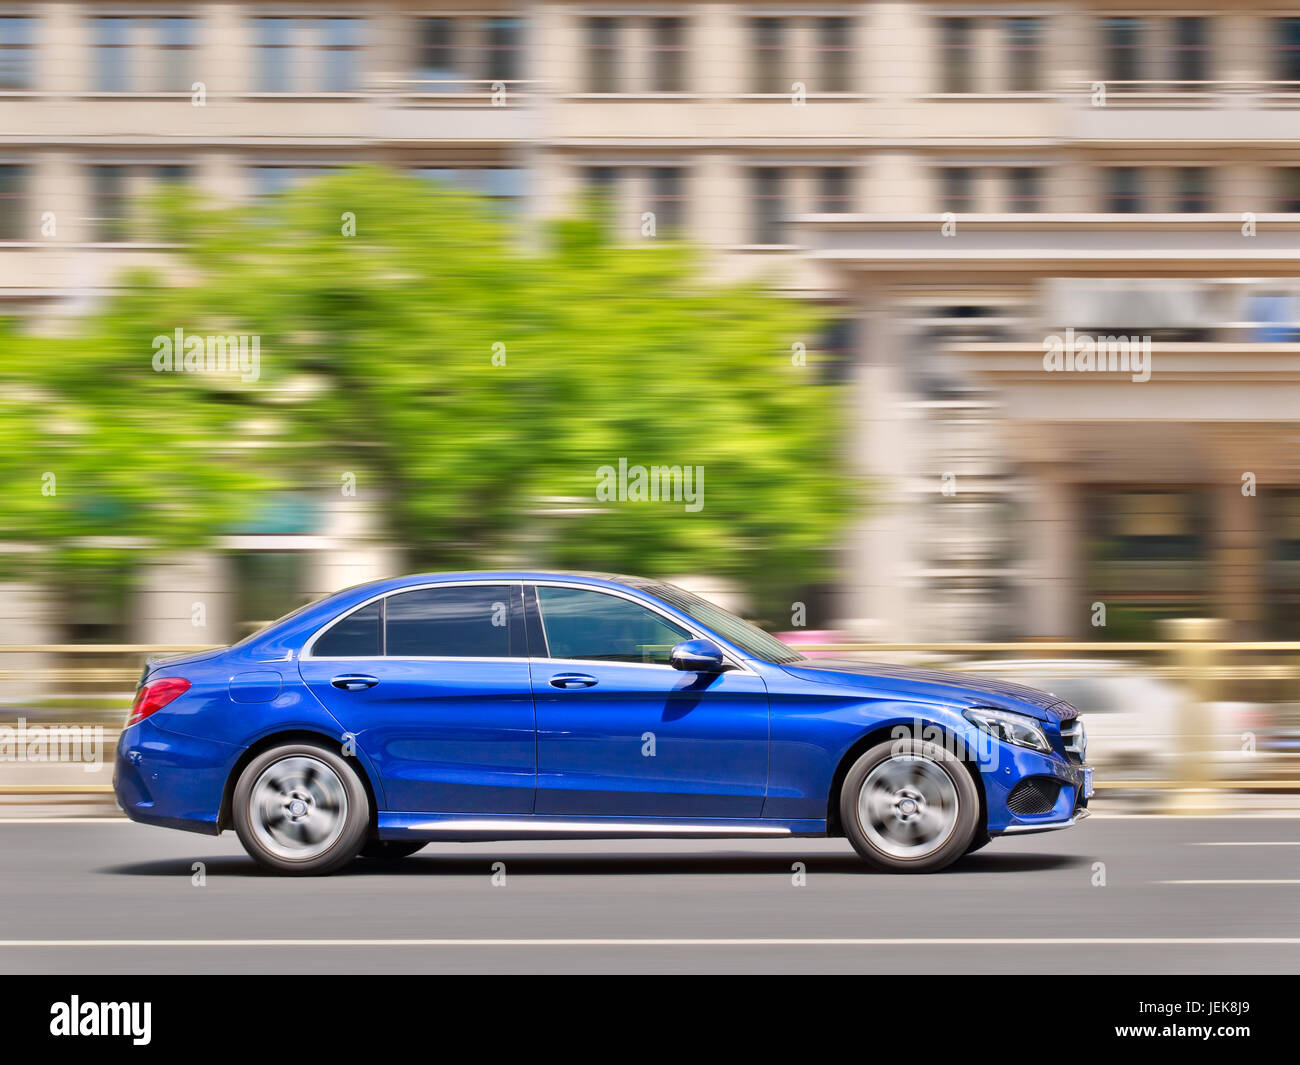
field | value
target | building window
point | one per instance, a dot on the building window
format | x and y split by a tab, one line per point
834	62
176	44
603	54
338	41
1122	43
503	185
837	347
275	54
1191	190
1286	49
13	202
957	54
505	47
767	55
17	46
109	210
667	54
958	189
835	190
435	55
668	199
112	54
1024	43
1124	190
1024	189
769	205
269	180
601	185
1191	53
1288	200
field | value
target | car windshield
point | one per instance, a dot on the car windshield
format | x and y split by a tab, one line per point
749	638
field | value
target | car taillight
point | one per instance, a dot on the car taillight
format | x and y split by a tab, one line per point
155	696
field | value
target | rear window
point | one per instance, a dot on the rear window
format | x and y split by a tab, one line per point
472	621
359	635
463	622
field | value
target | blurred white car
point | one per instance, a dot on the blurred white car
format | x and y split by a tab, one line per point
1133	718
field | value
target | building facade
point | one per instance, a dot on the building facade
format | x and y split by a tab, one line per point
959	182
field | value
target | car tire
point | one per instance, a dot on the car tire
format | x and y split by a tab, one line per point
909	806
301	809
389	850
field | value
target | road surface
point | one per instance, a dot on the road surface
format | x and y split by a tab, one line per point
1201	895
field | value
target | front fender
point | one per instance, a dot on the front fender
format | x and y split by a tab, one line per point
810	744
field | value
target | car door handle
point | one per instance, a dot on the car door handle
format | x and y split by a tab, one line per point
573	680
355	682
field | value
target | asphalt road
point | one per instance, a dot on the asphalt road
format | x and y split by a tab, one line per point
113	897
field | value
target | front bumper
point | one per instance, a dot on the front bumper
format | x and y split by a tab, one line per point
1047	826
1010	766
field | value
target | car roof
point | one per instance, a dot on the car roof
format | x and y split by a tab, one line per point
284	635
576	576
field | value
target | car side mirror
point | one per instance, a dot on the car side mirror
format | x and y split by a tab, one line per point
697	656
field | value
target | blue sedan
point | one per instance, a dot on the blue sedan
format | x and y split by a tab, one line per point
496	706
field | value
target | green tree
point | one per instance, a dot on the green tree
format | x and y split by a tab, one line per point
473	373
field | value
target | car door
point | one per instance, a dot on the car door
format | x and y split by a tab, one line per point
434	684
621	732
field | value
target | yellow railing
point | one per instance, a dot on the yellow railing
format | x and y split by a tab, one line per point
1199	666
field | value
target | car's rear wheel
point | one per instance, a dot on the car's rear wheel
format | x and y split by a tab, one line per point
909	806
390	850
301	809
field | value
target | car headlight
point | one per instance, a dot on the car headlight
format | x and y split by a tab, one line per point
1020	729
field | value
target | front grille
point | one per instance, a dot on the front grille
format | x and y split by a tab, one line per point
1033	795
1075	738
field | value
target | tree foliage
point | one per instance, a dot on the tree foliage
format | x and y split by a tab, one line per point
473	373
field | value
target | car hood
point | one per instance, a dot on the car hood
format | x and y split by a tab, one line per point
963	688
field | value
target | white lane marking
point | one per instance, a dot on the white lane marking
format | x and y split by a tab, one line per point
1246	815
1228	881
1252	843
769	942
66	821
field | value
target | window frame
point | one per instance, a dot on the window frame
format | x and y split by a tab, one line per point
527	590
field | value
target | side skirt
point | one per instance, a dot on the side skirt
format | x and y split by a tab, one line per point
470	827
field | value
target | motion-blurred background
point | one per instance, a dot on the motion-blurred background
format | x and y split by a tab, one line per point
305	296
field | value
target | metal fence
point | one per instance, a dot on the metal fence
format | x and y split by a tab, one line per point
1188	714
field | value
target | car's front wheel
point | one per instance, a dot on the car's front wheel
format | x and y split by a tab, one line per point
301	809
909	806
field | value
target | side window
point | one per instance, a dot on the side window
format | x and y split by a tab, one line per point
357	636
587	624
471	621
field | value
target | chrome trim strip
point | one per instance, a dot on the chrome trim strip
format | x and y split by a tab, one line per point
1047	826
594	827
742	667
